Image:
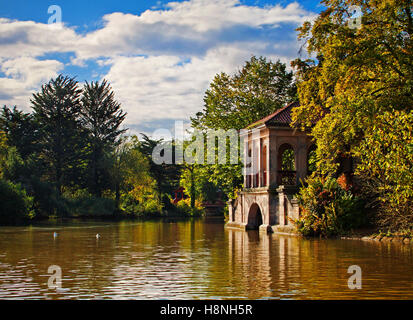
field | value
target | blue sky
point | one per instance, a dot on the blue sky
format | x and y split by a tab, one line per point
159	56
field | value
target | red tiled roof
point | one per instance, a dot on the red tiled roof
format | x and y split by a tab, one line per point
280	117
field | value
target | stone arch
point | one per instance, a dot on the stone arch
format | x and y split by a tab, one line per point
255	217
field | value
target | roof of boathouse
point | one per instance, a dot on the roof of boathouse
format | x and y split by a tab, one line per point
281	117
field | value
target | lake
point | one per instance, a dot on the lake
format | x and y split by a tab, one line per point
194	259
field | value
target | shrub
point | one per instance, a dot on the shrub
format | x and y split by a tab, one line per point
329	207
15	205
148	205
386	169
47	200
81	203
91	206
183	207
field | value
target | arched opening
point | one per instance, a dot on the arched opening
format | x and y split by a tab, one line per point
254	217
311	159
286	165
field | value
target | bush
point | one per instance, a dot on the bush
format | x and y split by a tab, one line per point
91	207
81	203
15	205
329	208
131	206
47	201
385	169
183	207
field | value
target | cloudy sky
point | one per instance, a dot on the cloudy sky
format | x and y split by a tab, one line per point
159	56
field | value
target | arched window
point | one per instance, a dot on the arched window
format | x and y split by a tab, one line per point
286	165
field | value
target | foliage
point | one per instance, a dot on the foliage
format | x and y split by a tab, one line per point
80	203
386	161
197	186
101	116
329	208
57	109
3	151
361	76
235	101
136	190
15	204
166	175
21	130
288	160
184	208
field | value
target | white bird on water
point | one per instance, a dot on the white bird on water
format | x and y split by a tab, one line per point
98	236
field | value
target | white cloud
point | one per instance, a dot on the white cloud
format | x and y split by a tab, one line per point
28	38
161	61
23	76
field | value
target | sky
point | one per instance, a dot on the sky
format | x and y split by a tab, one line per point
159	56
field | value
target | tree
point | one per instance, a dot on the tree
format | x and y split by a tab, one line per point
257	90
361	77
56	109
131	177
102	117
165	175
21	130
3	152
235	101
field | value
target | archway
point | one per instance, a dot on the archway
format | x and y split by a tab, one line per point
254	217
286	165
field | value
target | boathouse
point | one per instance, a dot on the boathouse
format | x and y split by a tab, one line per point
280	156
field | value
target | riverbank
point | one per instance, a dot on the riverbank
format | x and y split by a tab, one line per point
375	235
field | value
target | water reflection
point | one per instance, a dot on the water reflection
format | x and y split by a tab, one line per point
194	260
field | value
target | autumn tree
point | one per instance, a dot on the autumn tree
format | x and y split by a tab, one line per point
360	83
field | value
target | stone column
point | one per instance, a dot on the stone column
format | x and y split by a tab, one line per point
281	210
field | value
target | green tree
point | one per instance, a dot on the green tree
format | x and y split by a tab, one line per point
21	130
102	117
15	204
166	175
3	152
235	101
56	109
132	180
361	77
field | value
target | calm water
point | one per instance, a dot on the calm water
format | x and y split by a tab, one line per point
194	260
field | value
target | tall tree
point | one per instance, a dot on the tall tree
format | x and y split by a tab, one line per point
102	116
235	101
362	84
56	108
